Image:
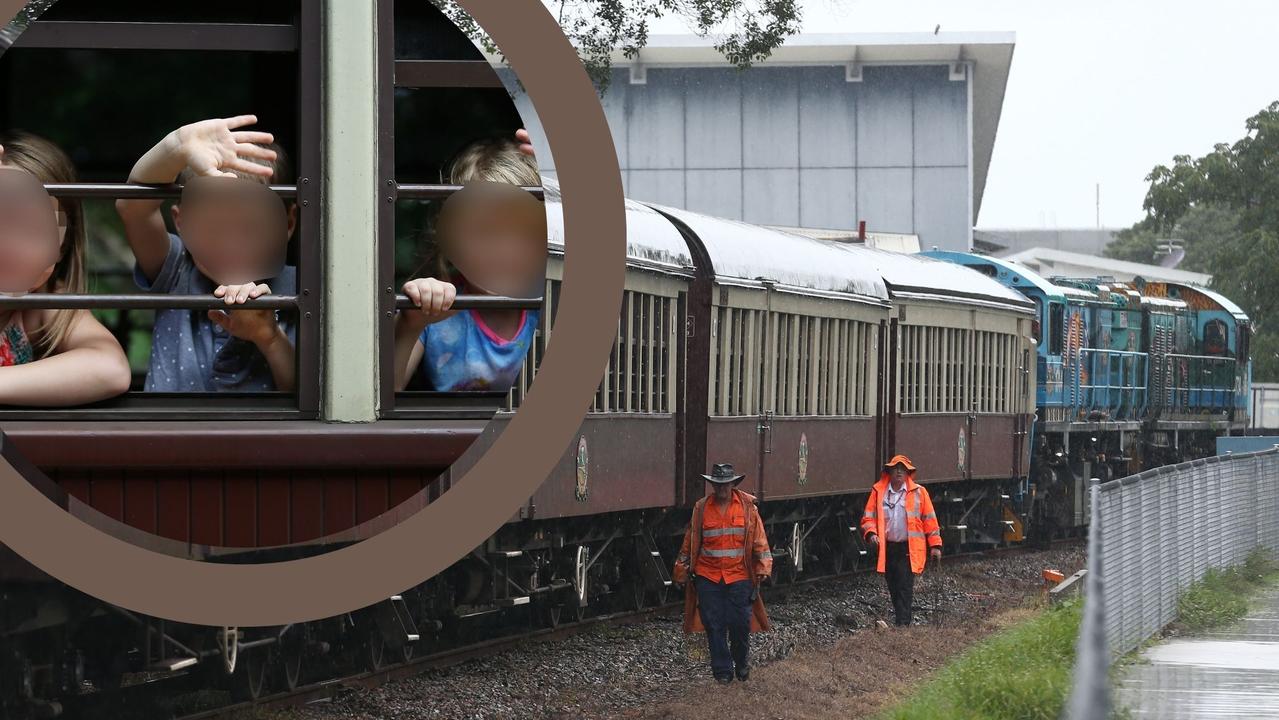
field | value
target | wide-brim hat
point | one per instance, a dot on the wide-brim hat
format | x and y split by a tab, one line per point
722	474
899	460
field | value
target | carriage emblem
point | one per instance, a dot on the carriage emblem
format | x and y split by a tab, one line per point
582	459
803	459
963	450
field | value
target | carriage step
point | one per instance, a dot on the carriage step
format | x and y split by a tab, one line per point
395	622
513	601
507	554
173	664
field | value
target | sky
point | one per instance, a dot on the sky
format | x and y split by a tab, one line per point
1098	93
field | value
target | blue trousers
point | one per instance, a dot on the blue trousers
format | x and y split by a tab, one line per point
726	615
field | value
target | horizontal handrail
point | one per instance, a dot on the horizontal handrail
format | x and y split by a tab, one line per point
144	191
479	302
422	191
1210	358
135	191
61	301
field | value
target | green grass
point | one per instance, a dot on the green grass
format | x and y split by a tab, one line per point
1021	673
1222	597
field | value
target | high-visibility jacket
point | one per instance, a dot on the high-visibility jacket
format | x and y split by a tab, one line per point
723	543
757	560
922	530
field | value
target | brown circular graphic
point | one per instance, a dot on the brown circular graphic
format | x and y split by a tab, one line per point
422	545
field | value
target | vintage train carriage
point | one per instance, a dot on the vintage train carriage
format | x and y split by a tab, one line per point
959	381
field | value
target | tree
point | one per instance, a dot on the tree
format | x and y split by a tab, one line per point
1203	230
748	31
1242	179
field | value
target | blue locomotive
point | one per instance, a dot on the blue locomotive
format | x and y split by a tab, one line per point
1130	375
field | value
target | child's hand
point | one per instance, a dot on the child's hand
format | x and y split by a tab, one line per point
256	326
525	141
432	297
210	147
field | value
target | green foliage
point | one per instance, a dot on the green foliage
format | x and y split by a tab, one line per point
1231	198
1023	673
748	30
1222	596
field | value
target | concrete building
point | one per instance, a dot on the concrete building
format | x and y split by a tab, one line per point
1049	263
892	129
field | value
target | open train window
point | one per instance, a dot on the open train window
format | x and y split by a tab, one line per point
105	83
1215	338
437	94
1056	328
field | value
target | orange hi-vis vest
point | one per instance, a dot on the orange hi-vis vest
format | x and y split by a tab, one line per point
757	562
922	530
723	542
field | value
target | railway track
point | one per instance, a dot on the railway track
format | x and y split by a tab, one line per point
331	688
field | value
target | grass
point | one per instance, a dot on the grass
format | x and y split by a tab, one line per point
1222	597
1023	672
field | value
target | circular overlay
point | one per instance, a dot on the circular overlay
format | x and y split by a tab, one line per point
422	545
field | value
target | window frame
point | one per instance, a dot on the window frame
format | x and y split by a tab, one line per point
393	73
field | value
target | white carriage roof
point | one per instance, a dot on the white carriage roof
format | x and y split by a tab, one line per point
751	255
651	240
908	274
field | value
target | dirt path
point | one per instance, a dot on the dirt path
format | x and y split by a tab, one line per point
866	672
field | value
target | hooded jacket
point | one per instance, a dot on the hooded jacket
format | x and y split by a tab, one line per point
922	530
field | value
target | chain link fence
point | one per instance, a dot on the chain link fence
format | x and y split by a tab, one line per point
1153	535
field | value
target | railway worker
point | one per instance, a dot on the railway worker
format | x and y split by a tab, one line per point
726	554
900	522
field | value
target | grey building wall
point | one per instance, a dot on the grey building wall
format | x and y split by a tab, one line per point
798	146
1090	241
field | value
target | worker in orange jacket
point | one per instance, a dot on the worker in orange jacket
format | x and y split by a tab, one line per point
900	521
726	555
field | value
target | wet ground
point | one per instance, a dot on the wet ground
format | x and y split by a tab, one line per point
826	656
1232	673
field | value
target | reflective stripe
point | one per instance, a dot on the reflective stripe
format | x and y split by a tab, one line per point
870	514
766	555
934	533
683	558
914	534
723	553
912	513
717	532
930	516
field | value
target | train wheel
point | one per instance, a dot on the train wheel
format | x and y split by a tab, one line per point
374	650
291	664
409	651
250	676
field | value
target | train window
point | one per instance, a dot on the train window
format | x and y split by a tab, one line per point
142	71
788	364
1215	342
953	370
640	376
437	95
1056	328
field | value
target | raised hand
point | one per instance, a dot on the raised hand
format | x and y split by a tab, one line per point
215	147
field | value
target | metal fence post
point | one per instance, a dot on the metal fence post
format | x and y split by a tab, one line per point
1090	695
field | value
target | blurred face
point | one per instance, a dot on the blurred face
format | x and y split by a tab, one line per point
495	234
236	230
32	228
722	492
897	474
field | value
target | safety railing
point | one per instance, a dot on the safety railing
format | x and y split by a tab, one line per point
1155	534
1195	384
1114	384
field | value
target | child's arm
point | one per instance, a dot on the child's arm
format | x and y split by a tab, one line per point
88	366
209	147
433	298
260	328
